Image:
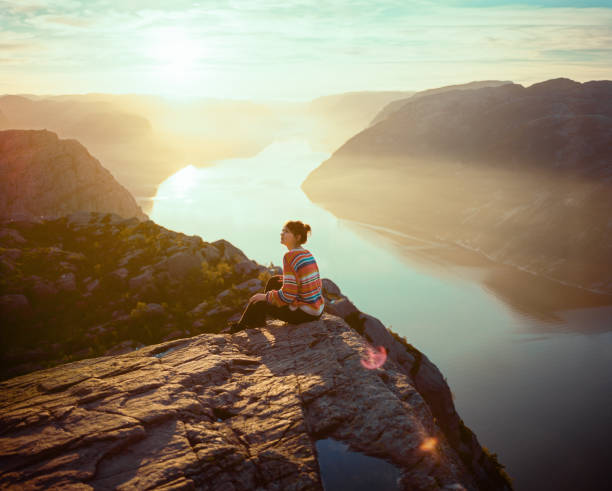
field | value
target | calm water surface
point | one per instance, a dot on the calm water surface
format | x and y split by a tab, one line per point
533	381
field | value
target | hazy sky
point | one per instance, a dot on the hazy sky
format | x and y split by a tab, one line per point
295	49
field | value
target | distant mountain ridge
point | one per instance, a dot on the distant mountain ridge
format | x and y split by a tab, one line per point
397	104
520	174
44	175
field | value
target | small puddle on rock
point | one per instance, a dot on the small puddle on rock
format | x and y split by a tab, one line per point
164	353
342	469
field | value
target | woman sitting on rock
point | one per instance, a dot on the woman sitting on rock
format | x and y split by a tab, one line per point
295	296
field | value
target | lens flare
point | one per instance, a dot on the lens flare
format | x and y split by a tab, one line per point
374	357
429	444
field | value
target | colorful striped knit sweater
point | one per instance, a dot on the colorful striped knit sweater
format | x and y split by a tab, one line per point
301	283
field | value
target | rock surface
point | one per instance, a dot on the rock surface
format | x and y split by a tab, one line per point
522	175
233	412
43	175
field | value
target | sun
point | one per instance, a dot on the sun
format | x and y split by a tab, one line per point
174	55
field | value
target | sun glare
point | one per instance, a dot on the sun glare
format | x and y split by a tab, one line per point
175	57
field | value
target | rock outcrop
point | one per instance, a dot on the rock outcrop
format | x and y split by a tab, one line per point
521	175
210	411
237	412
89	284
43	175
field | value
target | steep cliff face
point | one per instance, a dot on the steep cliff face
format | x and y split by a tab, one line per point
43	175
236	412
522	175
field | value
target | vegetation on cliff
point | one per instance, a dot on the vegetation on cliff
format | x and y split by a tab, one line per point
90	284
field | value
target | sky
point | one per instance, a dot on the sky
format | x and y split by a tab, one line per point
295	49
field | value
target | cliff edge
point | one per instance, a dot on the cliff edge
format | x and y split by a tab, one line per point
237	412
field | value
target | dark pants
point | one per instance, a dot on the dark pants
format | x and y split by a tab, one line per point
256	312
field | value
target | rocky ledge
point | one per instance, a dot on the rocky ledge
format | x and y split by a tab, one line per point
243	411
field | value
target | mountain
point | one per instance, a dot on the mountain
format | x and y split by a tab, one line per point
143	140
203	410
395	105
4	121
520	174
44	175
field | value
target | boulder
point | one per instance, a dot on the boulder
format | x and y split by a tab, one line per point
251	286
219	310
224	296
121	273
211	253
180	264
342	307
199	309
66	282
245	268
143	281
92	284
330	288
10	237
125	260
154	310
230	253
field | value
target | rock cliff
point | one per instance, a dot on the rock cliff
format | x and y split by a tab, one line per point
201	410
521	175
236	412
43	175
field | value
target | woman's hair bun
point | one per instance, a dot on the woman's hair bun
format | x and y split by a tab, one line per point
300	230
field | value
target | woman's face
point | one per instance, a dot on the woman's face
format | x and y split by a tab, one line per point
288	238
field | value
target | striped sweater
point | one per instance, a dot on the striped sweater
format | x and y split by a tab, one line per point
301	283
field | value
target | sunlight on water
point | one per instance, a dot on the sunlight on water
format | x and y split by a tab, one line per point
342	469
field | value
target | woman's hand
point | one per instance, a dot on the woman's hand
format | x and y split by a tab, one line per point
258	297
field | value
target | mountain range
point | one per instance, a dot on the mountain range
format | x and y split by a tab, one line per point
520	174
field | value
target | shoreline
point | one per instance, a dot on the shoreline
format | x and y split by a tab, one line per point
525	292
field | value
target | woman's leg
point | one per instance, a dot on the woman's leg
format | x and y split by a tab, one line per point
294	316
255	312
274	283
253	315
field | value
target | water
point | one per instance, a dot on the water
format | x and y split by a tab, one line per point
342	469
530	367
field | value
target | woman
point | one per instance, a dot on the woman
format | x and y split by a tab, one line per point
295	296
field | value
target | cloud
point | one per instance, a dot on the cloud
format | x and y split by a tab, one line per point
15	46
243	42
68	21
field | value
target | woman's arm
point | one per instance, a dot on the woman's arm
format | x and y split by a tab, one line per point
287	294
